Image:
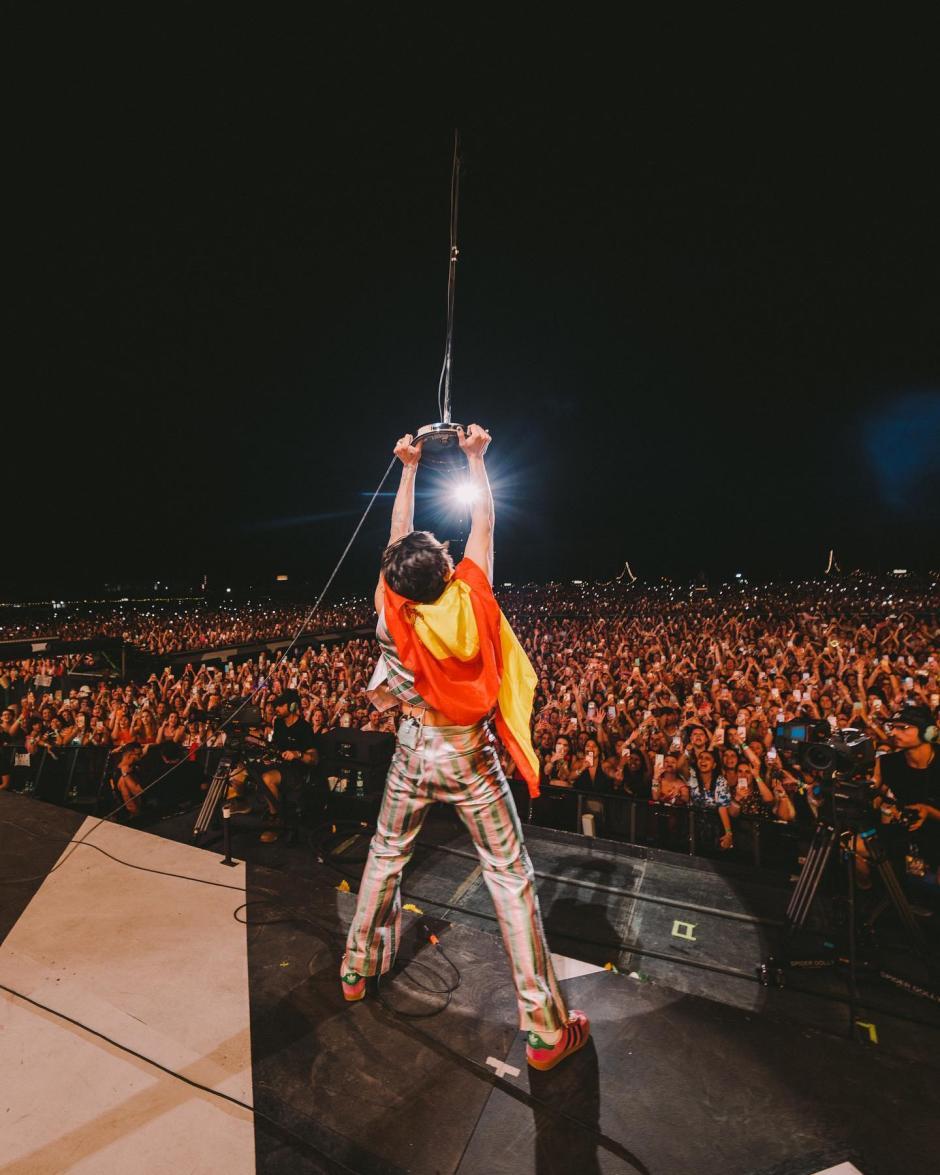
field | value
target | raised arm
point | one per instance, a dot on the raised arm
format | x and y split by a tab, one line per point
483	516
403	511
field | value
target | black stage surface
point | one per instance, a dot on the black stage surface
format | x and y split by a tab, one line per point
609	903
692	1064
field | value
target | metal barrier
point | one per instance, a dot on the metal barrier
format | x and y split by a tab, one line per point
82	777
639	821
70	776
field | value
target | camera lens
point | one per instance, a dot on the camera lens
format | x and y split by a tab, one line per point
819	757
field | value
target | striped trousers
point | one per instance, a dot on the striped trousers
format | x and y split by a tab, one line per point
457	765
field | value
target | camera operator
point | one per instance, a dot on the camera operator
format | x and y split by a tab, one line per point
295	741
909	781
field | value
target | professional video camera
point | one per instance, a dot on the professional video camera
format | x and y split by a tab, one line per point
836	765
245	753
243	728
241	717
815	747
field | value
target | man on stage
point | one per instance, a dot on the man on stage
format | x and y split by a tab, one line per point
449	657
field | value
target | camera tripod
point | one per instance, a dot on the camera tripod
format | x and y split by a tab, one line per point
218	790
831	835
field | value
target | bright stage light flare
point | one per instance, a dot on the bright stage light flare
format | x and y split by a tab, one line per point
465	494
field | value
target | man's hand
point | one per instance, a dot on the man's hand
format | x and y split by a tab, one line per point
406	451
475	441
924	812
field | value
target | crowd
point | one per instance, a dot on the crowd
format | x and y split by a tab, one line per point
674	696
171	626
44	706
658	693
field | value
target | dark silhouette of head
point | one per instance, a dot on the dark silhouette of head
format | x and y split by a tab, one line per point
417	566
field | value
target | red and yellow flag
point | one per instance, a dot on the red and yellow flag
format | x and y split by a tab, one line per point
466	659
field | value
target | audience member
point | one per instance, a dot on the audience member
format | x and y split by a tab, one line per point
651	692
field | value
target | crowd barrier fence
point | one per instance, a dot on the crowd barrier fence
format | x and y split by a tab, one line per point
641	821
82	777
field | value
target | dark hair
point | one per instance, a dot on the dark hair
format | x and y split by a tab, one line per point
417	566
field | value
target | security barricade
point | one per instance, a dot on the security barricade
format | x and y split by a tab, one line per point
85	777
641	821
69	776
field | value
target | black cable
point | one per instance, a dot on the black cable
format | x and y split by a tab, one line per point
238	709
447	992
294	915
618	947
119	860
465	1062
662	956
474	1067
130	865
734	972
305	1143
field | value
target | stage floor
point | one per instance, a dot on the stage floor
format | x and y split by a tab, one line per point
188	996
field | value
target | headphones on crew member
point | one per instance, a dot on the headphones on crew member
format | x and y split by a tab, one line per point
290	699
915	716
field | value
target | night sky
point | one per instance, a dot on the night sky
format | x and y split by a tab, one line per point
697	297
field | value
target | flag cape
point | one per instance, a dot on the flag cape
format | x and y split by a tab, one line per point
466	659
